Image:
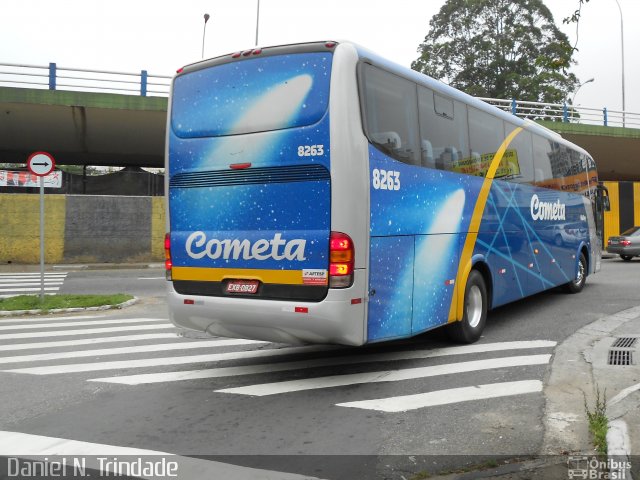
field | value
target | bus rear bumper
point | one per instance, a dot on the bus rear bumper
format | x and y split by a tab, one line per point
339	318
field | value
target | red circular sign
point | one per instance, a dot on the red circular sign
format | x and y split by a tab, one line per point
41	163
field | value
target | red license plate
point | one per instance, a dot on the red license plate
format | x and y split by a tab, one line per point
245	287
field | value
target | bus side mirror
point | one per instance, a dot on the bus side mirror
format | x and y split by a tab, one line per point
606	204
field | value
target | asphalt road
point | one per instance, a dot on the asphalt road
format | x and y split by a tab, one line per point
305	410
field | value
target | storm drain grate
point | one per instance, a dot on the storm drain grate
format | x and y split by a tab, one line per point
625	342
620	357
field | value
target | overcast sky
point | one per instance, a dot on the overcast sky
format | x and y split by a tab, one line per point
161	35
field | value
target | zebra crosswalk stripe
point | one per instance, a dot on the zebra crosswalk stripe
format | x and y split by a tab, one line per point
87	341
159	347
80	324
45	320
12	284
386	376
34	289
84	331
405	403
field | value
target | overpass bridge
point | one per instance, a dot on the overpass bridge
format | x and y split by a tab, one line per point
92	117
119	119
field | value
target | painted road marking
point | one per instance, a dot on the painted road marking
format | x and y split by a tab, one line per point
386	376
320	362
84	331
24	290
33	274
12	284
80	324
159	347
164	361
446	397
43	320
32	283
88	341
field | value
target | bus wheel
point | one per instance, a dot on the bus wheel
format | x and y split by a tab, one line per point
577	284
474	318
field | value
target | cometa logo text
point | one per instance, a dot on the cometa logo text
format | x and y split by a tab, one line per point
547	210
277	248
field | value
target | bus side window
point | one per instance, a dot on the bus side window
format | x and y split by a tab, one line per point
444	122
542	153
518	157
486	134
391	113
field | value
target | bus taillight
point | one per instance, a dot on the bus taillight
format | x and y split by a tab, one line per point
341	260
168	265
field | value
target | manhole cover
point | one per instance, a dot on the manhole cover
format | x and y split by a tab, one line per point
625	342
620	357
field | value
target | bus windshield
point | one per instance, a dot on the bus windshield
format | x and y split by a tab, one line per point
254	95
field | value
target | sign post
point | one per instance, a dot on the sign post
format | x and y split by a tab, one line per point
41	164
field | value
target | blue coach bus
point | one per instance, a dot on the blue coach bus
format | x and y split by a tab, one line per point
318	193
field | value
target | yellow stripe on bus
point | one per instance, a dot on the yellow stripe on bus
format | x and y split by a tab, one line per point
464	267
282	277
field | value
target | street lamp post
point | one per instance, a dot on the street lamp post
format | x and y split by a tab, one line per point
257	21
204	31
622	49
573	100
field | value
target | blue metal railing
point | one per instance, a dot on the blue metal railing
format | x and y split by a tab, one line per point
564	112
53	77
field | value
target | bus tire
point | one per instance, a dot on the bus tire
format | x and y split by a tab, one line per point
474	319
577	284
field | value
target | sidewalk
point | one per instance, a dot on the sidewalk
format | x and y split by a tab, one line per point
604	356
594	359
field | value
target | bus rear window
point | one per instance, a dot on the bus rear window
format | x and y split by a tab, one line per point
254	95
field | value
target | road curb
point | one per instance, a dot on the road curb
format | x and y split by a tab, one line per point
16	313
573	382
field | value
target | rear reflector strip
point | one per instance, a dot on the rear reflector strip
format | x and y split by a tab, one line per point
239	166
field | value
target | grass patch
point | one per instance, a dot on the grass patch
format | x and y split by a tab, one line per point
598	421
52	302
486	465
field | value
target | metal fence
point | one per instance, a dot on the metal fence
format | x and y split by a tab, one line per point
53	77
564	112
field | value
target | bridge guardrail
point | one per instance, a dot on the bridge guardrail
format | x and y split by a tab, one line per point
53	77
564	112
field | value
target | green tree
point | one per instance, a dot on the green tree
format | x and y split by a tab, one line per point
499	49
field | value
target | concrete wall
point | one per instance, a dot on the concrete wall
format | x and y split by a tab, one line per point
82	228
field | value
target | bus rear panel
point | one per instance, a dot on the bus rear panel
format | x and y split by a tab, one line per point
252	249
